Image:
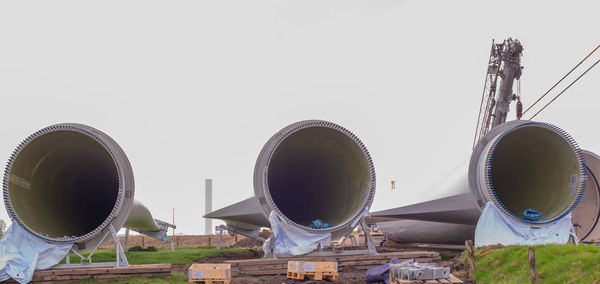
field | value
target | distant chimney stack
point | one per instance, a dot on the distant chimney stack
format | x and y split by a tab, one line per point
208	206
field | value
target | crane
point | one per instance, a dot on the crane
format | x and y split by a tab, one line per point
504	67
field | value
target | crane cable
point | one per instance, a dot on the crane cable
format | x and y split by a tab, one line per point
565	89
538	100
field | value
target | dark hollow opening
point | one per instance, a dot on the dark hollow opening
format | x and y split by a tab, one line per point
535	167
63	183
318	173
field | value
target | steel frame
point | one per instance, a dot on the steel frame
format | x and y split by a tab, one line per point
121	260
337	249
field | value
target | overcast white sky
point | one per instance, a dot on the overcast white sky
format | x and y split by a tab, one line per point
193	89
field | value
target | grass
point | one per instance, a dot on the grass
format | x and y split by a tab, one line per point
556	264
179	256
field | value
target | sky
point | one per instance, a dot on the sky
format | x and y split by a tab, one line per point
192	90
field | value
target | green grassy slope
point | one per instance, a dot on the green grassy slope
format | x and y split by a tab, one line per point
556	264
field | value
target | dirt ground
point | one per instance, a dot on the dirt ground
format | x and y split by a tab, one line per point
352	277
450	254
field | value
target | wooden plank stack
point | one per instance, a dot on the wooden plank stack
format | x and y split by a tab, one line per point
99	273
269	266
316	270
210	273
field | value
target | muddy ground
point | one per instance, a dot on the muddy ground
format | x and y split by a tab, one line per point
345	277
451	259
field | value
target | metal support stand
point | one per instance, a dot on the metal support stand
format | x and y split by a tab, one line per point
126	238
160	234
337	249
353	240
121	260
248	233
220	239
368	240
270	253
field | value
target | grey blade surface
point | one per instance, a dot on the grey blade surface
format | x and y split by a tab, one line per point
457	209
245	214
413	231
140	218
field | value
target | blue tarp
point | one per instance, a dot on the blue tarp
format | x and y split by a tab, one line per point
21	254
318	224
381	273
531	214
495	228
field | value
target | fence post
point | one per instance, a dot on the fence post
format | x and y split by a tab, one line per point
532	265
470	259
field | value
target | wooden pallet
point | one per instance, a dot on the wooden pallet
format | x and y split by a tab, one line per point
451	280
331	276
210	281
210	273
269	266
316	270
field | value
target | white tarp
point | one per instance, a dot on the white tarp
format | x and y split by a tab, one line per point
495	228
21	254
292	240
